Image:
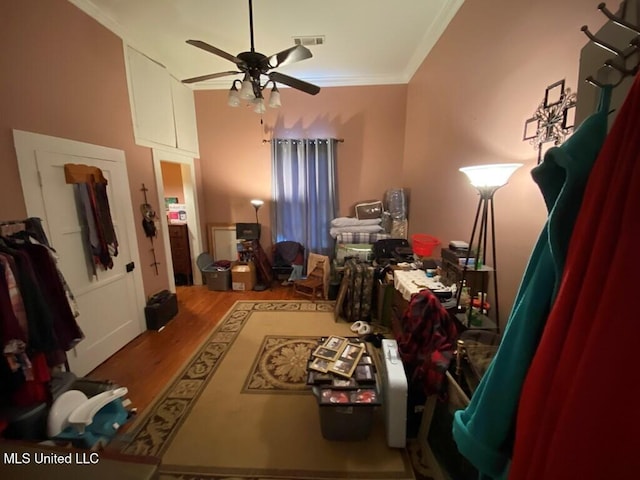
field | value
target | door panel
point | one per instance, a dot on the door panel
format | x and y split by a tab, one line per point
111	301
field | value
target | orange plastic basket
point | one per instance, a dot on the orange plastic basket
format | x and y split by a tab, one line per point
423	244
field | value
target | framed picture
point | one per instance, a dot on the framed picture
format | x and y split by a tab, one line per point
553	93
364	395
352	352
335	343
364	374
335	396
326	353
366	360
342	367
344	383
319	365
222	241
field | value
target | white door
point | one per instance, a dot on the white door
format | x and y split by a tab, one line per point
111	303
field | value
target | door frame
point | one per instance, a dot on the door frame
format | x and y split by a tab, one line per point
26	143
190	195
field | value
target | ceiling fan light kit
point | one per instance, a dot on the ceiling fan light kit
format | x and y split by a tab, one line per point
254	65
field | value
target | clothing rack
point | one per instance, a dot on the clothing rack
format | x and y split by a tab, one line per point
626	59
293	140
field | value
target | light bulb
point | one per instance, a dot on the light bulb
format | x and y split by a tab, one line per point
274	98
259	105
246	91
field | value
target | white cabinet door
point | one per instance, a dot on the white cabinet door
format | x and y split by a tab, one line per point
152	106
184	111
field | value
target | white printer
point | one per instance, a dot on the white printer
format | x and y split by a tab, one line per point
394	391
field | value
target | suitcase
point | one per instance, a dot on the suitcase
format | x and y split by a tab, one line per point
392	250
360	293
394	391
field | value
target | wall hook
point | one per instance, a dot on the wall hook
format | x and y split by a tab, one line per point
617	20
600	43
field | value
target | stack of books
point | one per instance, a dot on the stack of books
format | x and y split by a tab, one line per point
457	253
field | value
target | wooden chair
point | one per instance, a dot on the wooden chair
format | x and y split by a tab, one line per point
313	284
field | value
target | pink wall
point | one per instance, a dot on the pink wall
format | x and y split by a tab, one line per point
236	164
172	180
467	105
63	75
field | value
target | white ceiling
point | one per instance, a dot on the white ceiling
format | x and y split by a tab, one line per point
367	42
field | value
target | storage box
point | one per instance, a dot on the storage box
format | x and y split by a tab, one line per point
346	422
219	280
243	276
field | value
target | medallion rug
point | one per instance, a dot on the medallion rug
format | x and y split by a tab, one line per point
240	408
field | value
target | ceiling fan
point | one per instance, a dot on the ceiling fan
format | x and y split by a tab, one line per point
254	64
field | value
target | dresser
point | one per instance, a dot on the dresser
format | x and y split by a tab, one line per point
181	254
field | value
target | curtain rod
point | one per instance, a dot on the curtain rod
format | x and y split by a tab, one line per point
339	140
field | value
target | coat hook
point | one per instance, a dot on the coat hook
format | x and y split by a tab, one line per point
594	82
625	71
600	43
618	21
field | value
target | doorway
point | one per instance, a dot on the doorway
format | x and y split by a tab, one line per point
175	180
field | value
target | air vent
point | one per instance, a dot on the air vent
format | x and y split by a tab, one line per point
309	40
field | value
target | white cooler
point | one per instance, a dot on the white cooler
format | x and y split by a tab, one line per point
394	391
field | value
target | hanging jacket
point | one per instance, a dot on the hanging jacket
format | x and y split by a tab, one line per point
577	415
427	342
484	431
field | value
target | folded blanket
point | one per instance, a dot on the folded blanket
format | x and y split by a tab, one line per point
350	221
334	231
350	237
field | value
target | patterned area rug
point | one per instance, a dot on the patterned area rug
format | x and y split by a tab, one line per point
240	409
281	365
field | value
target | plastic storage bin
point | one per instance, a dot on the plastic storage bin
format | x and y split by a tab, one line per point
219	280
423	244
344	422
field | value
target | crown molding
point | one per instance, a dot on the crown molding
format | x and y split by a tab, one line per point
438	25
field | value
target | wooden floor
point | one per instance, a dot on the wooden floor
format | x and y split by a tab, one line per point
151	360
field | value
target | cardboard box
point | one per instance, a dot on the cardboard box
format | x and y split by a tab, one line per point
243	276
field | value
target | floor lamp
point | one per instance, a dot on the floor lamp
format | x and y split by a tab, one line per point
487	179
256	205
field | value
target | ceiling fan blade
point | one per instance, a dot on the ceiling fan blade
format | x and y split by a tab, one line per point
216	51
294	83
290	55
209	76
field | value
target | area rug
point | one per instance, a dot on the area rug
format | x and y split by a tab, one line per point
240	409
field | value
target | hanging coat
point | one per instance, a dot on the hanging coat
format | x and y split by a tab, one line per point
577	416
484	430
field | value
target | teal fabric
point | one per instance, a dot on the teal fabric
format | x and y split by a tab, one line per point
484	431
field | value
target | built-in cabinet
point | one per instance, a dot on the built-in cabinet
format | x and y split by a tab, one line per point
162	108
